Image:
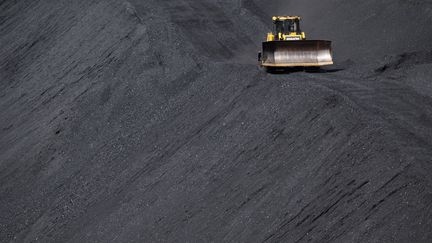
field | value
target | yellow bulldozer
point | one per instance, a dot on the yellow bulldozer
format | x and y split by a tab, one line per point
287	47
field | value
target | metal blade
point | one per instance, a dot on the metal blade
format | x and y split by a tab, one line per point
297	53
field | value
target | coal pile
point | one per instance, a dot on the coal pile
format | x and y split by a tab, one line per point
143	121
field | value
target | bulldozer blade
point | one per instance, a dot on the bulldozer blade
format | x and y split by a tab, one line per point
300	53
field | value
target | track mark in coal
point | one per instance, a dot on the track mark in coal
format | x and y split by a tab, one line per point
213	33
376	205
310	218
387	101
405	60
251	196
394	177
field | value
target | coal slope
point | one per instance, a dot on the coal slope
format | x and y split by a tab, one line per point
144	121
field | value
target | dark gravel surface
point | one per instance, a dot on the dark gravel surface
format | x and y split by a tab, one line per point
149	120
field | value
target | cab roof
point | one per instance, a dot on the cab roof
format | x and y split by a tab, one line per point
285	17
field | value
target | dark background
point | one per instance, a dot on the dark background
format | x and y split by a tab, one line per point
150	120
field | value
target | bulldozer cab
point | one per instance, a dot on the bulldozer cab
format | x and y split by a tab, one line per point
287	26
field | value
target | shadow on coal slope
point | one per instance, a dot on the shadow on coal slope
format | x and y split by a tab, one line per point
116	126
363	31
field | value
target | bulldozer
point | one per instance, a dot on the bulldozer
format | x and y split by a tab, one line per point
287	47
